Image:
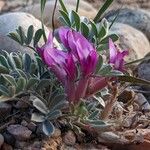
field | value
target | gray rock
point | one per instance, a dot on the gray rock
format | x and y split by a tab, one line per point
20	132
137	18
69	138
9	139
1	140
32	126
142	102
144	70
9	22
24	123
85	9
7	147
5	109
132	40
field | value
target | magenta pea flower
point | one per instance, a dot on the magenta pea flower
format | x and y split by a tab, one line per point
79	54
81	48
62	64
116	57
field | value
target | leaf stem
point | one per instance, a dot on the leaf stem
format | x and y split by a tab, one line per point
77	6
53	15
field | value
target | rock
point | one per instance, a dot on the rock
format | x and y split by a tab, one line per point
52	143
37	144
9	22
32	126
132	40
7	147
137	18
1	140
110	137
144	70
144	73
21	144
21	105
85	9
142	102
24	123
9	139
145	145
69	138
20	132
57	133
5	109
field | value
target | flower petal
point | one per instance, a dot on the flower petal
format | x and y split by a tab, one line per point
113	51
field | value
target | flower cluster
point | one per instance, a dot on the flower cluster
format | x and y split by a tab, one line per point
75	65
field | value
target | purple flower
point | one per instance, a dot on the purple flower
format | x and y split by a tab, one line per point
81	48
80	54
116	57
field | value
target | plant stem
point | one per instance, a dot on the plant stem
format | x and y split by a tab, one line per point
53	15
77	6
109	106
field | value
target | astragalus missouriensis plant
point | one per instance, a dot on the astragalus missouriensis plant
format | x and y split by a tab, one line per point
86	66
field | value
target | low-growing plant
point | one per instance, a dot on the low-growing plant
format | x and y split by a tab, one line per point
76	57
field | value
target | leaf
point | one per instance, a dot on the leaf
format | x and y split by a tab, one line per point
43	2
4	70
31	82
102	10
20	84
9	79
100	100
94	28
21	34
94	114
38	104
37	36
3	61
37	117
48	128
56	100
106	69
114	37
29	34
65	17
60	105
21	73
33	69
40	65
11	62
84	29
75	17
99	64
15	37
134	80
4	91
17	61
53	115
12	90
114	73
103	47
26	62
102	32
43	84
91	106
63	6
